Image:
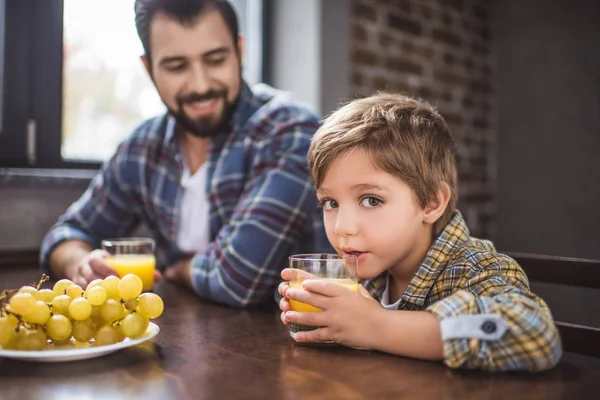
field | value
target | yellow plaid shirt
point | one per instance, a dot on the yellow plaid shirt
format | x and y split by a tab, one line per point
462	275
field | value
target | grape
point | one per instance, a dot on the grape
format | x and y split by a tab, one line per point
83	331
110	284
62	285
22	303
12	344
121	335
80	309
60	304
31	339
65	342
96	295
108	311
134	325
130	286
150	305
40	313
59	327
131	305
7	331
111	310
46	295
74	291
29	289
106	335
97	316
94	283
14	321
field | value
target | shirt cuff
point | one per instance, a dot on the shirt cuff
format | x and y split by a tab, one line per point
489	327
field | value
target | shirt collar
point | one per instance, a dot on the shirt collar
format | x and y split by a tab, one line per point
452	237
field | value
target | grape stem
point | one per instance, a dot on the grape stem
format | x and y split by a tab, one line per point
43	279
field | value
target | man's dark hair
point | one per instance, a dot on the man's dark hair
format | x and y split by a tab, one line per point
183	11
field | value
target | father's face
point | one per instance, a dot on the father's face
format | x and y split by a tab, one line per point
197	71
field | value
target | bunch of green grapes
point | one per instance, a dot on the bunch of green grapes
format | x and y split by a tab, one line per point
106	312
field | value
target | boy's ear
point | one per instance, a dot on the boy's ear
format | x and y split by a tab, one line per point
436	206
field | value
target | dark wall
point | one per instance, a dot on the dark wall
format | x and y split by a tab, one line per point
548	102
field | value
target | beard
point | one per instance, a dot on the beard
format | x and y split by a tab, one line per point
207	125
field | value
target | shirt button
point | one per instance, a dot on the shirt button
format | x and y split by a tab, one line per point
489	327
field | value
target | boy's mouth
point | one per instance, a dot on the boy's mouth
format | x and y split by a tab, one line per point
353	252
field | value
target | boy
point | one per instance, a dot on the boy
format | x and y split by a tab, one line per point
385	173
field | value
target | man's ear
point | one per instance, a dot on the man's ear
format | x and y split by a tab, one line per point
437	205
240	45
146	61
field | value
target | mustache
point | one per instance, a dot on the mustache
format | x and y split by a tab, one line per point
211	94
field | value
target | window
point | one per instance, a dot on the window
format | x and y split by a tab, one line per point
73	88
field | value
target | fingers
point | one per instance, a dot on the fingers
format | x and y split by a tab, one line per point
327	288
304	296
284	305
364	292
286	274
322	334
296	274
307	318
282	288
100	267
81	281
157	276
84	275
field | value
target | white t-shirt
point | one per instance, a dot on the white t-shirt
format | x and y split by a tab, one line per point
385	297
194	228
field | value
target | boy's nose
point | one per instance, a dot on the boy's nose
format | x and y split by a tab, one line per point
346	224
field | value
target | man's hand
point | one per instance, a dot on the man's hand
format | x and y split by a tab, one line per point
92	266
180	272
347	318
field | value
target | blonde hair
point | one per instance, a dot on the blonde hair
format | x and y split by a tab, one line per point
404	137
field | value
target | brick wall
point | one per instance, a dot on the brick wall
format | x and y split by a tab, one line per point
439	50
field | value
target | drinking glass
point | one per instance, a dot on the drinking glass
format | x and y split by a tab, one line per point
132	256
330	267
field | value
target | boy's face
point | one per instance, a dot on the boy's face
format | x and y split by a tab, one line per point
196	69
369	211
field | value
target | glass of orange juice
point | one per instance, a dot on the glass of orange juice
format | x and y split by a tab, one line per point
132	256
342	270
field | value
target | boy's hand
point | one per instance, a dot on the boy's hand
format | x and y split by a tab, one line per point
347	318
286	275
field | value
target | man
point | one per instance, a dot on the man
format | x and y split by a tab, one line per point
221	181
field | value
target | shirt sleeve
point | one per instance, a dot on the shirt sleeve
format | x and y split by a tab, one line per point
494	322
242	265
104	210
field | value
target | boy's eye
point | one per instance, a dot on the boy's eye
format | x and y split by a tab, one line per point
370	202
329	204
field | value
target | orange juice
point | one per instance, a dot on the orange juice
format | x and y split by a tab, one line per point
142	265
303	307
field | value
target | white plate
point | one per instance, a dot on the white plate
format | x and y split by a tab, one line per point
78	353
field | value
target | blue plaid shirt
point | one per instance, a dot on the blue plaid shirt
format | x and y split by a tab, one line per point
262	202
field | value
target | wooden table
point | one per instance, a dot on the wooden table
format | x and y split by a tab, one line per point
205	351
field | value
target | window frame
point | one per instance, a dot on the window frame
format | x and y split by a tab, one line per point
32	83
